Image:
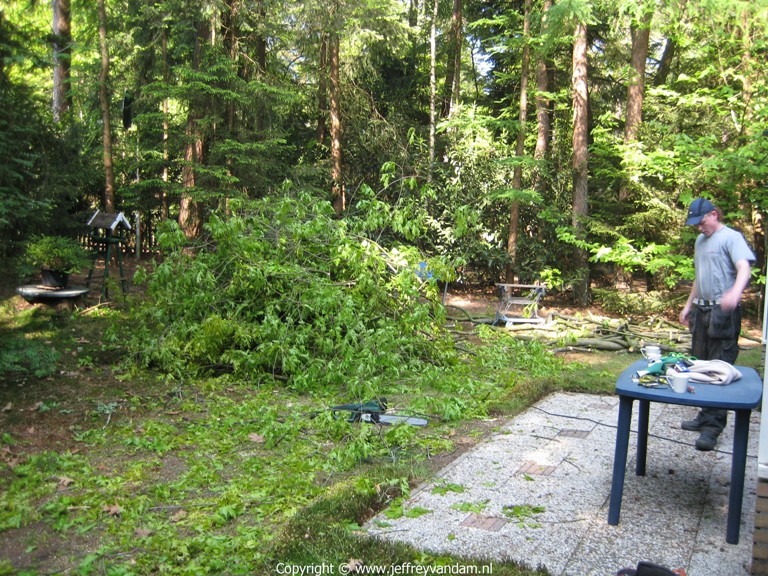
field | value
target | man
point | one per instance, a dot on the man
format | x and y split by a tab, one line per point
722	261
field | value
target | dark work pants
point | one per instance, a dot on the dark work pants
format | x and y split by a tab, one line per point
715	336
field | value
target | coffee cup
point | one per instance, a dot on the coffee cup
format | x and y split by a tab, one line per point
679	381
651	353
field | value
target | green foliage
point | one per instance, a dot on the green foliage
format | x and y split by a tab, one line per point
523	514
27	344
36	168
55	253
257	123
327	530
38	478
642	304
219	475
283	292
444	488
19	356
652	258
471	507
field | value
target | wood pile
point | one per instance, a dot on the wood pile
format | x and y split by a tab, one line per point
589	332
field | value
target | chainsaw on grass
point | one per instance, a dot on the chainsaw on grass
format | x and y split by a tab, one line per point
374	412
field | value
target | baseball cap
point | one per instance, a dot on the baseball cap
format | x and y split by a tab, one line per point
697	210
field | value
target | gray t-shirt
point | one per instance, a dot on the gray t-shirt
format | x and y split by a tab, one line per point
715	261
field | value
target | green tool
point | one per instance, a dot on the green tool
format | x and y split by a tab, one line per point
374	412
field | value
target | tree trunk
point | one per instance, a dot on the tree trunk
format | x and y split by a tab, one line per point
748	67
109	174
337	192
262	116
322	90
665	64
261	40
543	110
413	13
670	49
580	158
229	27
190	210
517	177
640	34
164	212
457	21
432	87
62	58
451	90
231	45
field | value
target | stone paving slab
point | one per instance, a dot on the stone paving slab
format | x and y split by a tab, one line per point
537	492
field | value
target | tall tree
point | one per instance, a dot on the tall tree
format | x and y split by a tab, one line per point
543	106
322	89
580	157
62	57
452	90
674	34
522	117
432	85
232	47
640	31
190	208
338	192
665	62
413	13
166	74
104	92
261	42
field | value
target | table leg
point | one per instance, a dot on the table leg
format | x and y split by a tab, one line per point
620	459
642	436
738	467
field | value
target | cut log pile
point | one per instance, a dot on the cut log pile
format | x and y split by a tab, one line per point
589	332
563	332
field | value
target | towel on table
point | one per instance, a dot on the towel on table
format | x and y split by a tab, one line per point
713	372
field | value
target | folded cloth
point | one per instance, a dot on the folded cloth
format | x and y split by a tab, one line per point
713	372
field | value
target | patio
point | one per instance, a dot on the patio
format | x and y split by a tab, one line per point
537	492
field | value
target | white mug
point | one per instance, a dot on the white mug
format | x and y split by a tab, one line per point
679	381
651	353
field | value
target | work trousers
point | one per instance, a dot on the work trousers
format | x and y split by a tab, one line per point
715	336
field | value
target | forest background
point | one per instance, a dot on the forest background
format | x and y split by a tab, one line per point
528	140
292	164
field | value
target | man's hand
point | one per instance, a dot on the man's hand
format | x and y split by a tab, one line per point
684	314
729	300
731	297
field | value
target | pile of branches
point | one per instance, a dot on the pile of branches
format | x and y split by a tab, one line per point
278	290
586	333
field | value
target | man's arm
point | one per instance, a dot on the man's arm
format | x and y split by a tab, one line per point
687	308
731	298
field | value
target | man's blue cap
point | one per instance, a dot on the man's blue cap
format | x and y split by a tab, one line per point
697	210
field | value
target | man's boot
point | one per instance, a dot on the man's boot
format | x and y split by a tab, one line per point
707	439
694	425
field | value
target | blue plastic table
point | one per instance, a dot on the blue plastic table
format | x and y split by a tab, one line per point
741	396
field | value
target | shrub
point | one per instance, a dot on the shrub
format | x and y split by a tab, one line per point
54	253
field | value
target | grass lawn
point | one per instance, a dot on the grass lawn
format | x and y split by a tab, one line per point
107	469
